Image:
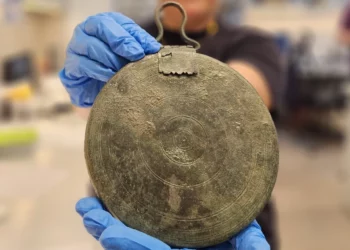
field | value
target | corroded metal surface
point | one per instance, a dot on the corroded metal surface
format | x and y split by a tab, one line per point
189	159
177	60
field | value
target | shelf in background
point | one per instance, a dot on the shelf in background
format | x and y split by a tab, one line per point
43	8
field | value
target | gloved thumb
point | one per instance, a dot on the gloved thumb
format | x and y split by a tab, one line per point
97	221
252	238
124	238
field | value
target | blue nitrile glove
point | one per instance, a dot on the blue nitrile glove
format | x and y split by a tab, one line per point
113	234
100	47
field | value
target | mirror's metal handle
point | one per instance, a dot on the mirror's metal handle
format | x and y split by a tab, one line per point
159	24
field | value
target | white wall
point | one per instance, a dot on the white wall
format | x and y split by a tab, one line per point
278	18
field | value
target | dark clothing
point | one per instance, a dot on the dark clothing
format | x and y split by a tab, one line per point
345	21
268	222
253	47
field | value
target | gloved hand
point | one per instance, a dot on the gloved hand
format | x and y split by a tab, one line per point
100	47
113	234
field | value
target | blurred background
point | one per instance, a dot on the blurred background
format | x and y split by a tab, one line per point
42	166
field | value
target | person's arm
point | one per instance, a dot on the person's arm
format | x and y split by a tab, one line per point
344	27
258	59
344	36
256	78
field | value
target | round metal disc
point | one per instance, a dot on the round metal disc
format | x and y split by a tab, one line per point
190	160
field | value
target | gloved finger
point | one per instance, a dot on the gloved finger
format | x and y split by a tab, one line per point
83	79
148	43
87	204
119	237
82	91
96	221
252	238
77	66
115	36
95	49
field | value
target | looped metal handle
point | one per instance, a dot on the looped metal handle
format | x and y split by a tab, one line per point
159	24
